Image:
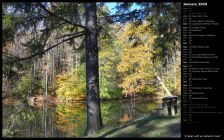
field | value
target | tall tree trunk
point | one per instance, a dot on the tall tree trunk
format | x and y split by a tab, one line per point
45	121
94	121
46	82
33	77
54	70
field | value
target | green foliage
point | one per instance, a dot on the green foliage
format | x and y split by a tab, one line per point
173	81
178	81
8	28
148	90
7	133
104	91
107	88
24	113
18	118
170	84
10	63
26	86
108	60
10	25
111	111
34	46
165	24
146	107
11	66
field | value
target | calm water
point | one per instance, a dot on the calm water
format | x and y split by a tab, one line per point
69	120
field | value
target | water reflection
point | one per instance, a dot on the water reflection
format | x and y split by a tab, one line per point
21	120
69	120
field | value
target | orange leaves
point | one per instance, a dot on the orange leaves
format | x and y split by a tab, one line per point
125	118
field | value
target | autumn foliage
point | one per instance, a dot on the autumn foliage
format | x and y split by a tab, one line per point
135	66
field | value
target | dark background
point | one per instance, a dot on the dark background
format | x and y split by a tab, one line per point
209	124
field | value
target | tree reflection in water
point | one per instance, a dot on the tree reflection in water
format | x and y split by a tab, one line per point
69	119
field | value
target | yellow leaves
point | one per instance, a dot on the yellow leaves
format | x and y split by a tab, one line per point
142	32
107	53
131	58
151	40
128	30
105	8
70	85
107	57
69	116
135	41
135	82
116	26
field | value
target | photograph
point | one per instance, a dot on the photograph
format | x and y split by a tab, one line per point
91	69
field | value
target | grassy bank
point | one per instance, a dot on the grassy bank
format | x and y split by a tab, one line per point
151	125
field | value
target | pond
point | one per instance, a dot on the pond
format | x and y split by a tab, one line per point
69	119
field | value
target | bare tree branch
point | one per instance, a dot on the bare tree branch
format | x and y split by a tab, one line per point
42	52
122	15
70	34
57	16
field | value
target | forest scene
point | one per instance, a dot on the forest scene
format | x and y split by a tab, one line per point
103	69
